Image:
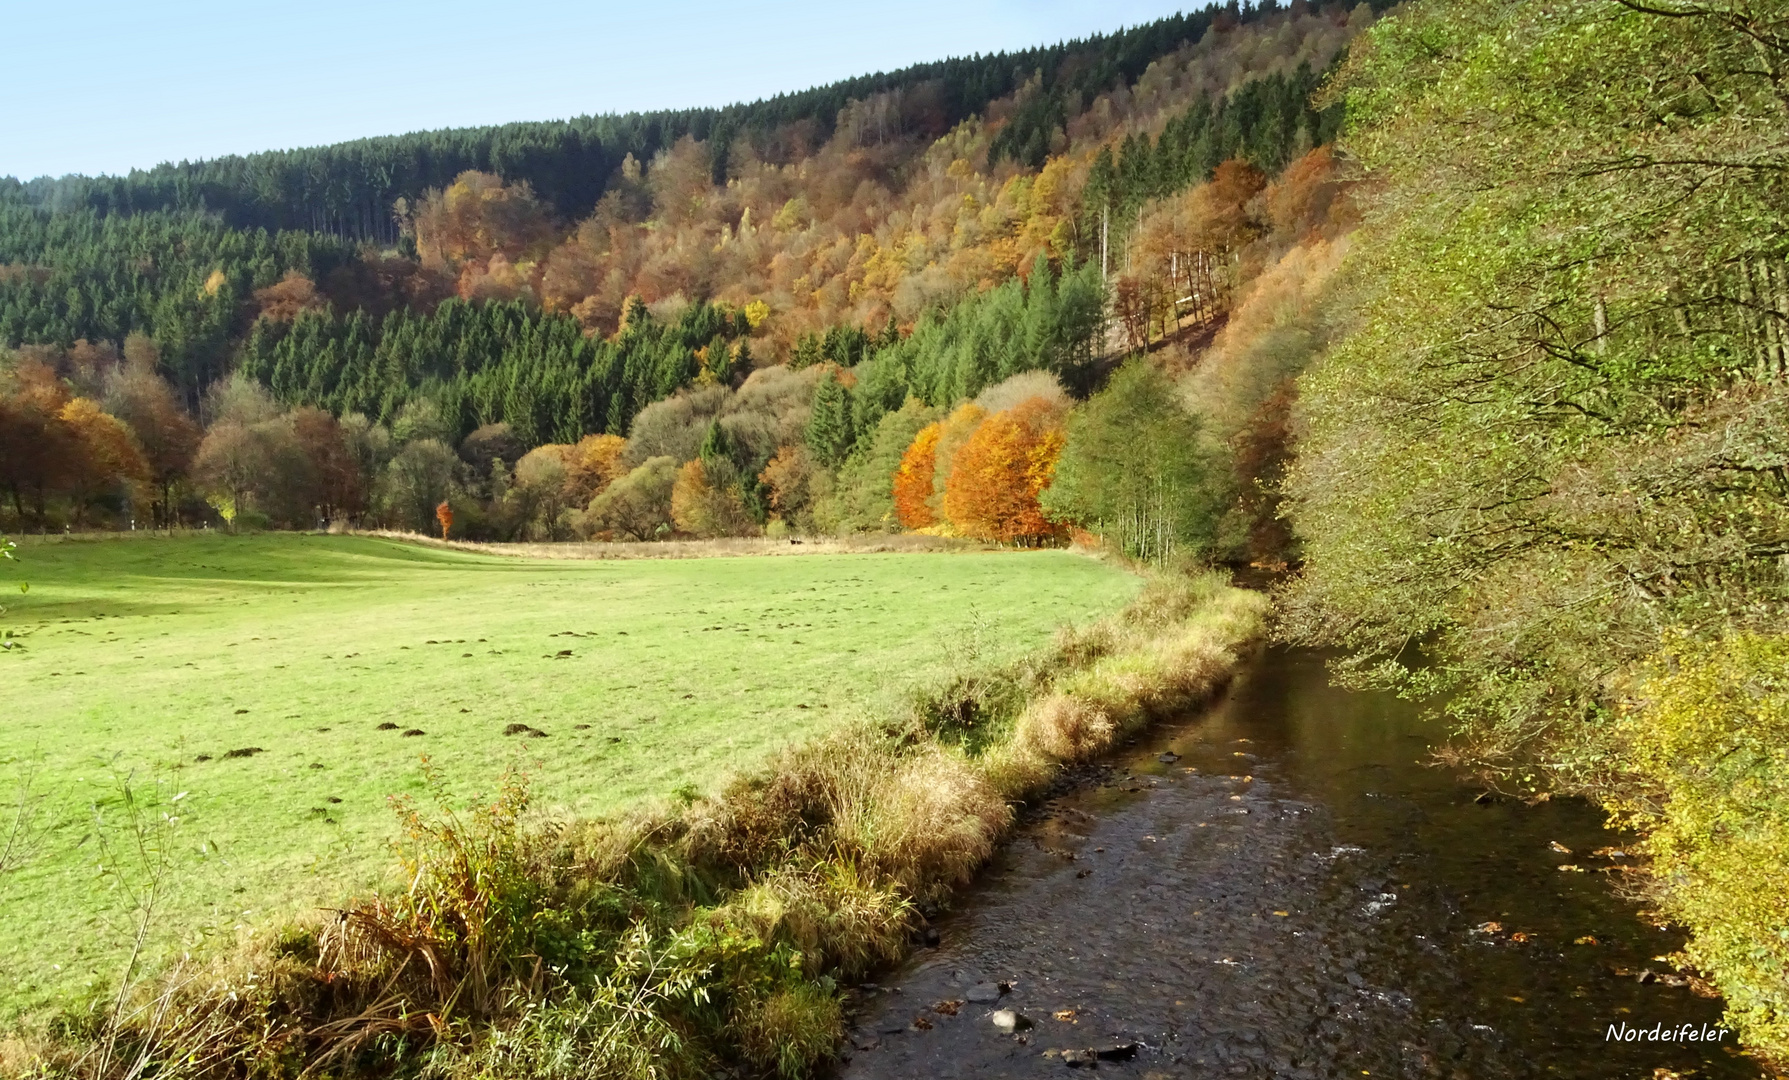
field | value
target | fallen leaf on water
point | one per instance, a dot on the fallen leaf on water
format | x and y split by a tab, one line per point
1571	868
1067	1015
1559	847
1585	940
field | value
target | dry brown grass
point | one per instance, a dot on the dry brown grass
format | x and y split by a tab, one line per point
1172	648
927	823
696	549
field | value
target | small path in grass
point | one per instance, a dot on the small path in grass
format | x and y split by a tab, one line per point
1283	888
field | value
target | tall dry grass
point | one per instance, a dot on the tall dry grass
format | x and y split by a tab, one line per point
678	941
695	549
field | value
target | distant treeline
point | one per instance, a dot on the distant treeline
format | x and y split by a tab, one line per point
348	189
183	277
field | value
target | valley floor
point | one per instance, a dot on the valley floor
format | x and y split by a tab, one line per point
261	698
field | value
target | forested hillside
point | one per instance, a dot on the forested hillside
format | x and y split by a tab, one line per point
808	276
347	190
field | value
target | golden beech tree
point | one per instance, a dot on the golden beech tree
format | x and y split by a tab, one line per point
953	431
997	475
592	465
283	300
480	216
444	514
913	479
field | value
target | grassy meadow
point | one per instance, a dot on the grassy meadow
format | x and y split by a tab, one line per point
262	697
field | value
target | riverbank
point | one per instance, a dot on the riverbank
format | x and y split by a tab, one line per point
1282	886
671	942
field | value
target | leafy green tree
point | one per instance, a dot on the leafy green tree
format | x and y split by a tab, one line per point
1552	436
419	478
1134	470
637	506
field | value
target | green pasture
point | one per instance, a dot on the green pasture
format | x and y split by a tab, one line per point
150	662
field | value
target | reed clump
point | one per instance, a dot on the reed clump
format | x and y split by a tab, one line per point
678	940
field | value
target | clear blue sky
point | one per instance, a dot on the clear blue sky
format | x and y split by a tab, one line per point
98	86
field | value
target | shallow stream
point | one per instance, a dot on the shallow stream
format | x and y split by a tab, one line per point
1282	887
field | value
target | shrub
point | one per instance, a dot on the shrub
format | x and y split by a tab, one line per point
1708	754
790	1028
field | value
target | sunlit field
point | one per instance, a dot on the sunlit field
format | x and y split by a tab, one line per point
262	698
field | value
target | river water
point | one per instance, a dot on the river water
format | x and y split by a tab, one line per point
1297	894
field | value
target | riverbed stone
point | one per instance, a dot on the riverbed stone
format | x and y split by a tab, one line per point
1009	1020
1118	1051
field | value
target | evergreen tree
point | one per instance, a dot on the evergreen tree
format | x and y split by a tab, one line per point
829	425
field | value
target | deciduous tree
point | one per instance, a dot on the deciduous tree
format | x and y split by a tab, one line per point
998	474
913	479
104	458
1133	469
637	506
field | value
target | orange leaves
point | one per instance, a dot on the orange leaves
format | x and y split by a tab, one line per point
444	514
1299	201
913	479
292	294
103	453
997	475
787	476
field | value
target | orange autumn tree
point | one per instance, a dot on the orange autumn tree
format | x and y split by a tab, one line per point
913	479
444	514
953	431
997	475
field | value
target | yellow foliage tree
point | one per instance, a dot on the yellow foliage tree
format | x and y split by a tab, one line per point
106	455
